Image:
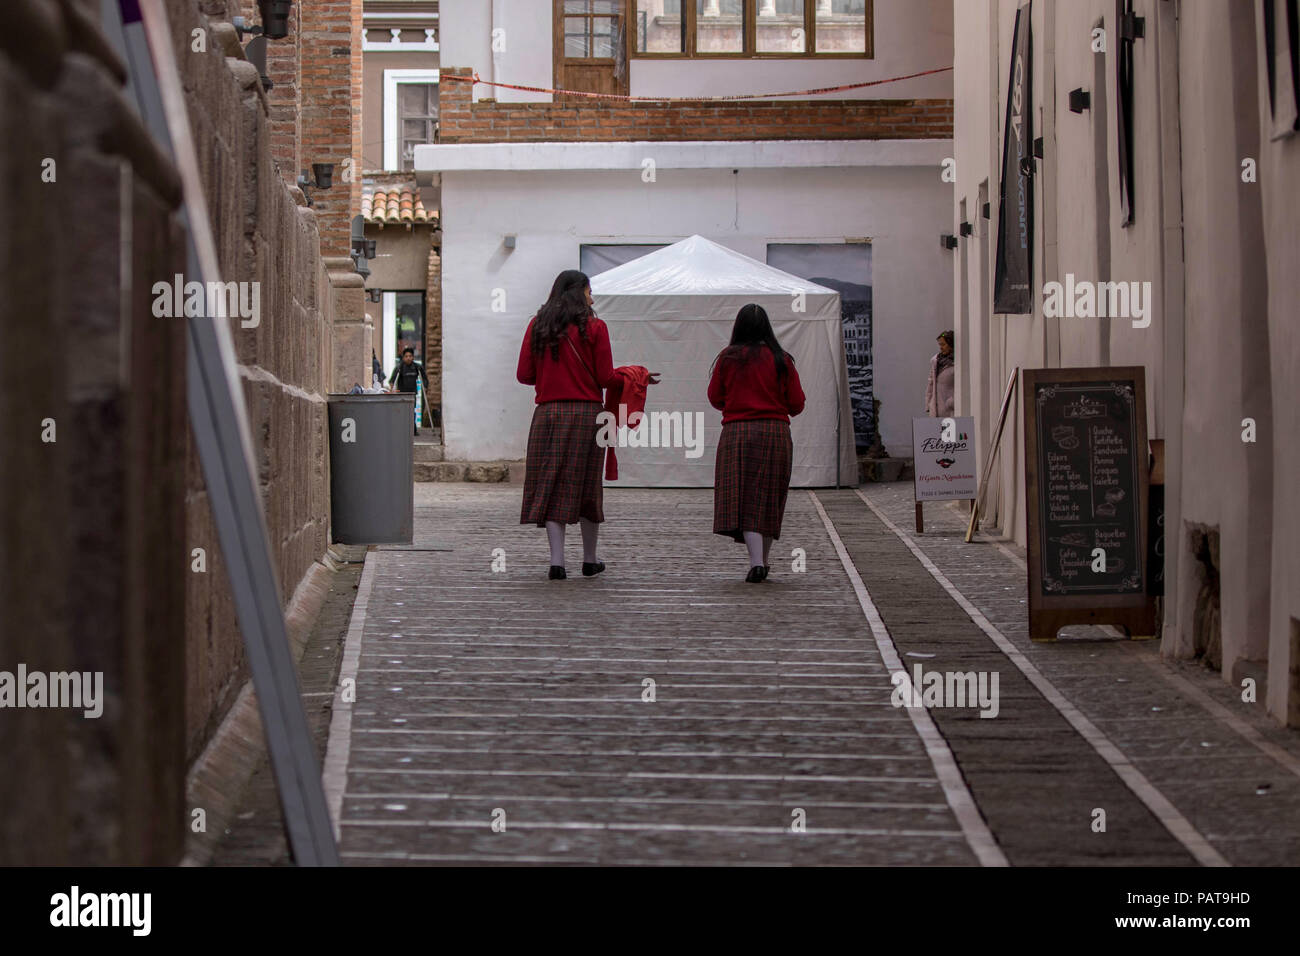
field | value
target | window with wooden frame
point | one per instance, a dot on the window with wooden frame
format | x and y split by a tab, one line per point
670	29
589	51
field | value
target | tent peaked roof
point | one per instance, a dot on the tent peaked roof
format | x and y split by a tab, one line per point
697	266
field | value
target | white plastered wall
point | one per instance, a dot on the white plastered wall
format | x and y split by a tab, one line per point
903	209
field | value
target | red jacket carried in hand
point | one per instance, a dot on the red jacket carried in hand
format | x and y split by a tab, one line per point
749	390
631	382
565	377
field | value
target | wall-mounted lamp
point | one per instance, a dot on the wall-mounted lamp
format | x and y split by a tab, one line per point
363	249
1080	100
966	229
947	241
323	174
375	295
275	20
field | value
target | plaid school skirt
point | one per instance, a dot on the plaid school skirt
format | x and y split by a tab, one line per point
563	479
752	478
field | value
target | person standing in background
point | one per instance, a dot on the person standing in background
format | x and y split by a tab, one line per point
939	391
755	386
407	374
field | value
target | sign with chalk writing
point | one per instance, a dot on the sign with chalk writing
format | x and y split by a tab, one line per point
1086	477
943	453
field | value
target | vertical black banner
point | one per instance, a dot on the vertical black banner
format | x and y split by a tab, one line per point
1282	63
1013	275
1124	112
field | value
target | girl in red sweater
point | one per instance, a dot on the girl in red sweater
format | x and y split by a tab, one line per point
566	355
755	386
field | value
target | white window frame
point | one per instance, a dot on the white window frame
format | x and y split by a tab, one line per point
388	328
392	78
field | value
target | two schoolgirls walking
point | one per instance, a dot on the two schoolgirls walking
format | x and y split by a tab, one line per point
566	356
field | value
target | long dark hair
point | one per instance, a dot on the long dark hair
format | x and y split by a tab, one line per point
566	305
752	331
943	361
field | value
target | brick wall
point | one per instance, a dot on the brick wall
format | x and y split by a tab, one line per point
284	100
488	121
330	111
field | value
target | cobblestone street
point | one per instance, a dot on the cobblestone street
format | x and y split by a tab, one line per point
504	718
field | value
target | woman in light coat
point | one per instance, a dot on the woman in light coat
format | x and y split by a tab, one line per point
939	391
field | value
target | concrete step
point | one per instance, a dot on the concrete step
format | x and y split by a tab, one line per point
427	451
470	471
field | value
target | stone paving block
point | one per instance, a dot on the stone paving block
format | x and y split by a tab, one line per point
523	693
479	809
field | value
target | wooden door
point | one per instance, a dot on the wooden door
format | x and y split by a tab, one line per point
589	46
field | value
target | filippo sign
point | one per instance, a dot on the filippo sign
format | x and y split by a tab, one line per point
943	451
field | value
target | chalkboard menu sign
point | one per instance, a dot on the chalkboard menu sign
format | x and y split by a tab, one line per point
1086	476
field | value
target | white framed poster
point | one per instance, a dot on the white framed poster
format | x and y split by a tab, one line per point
943	455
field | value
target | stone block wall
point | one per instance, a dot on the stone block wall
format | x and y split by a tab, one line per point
92	439
265	236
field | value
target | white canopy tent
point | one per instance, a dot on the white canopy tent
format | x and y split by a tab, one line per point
672	311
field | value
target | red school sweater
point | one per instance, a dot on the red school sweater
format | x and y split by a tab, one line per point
745	391
630	389
565	378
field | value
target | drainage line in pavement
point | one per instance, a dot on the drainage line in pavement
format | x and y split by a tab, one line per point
1178	825
972	823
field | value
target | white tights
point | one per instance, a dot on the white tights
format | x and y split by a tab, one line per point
758	545
555	536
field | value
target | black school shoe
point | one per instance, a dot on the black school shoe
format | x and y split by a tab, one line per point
755	575
592	568
557	572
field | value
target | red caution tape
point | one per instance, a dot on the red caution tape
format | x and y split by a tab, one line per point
691	99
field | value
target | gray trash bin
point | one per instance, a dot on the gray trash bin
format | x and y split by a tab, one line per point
372	490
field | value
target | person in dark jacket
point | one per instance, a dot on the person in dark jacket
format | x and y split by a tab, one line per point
566	356
755	386
406	373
